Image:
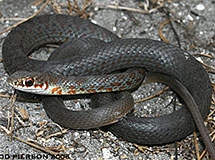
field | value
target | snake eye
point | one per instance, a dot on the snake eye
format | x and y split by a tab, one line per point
29	82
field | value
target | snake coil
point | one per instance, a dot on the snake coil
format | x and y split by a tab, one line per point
155	57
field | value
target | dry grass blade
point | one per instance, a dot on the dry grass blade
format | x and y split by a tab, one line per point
16	24
117	7
161	27
12	19
5	95
204	55
44	149
13	99
62	131
210	68
152	96
196	145
5	130
72	8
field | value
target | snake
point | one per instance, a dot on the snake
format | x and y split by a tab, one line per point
102	53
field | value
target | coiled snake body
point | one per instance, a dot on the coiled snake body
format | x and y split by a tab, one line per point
162	62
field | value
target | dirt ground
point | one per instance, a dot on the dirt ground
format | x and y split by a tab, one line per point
188	24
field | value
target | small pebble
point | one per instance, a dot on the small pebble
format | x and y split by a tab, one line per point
200	7
106	153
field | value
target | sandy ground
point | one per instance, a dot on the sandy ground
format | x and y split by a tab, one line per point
195	31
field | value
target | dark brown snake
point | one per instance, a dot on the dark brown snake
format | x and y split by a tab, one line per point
161	63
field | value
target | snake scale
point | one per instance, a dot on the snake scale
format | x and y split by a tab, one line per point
162	63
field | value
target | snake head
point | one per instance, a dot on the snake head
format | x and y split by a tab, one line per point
27	81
